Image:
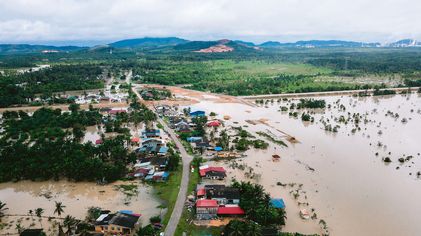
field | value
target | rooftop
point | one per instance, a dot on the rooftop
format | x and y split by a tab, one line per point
206	203
230	211
125	220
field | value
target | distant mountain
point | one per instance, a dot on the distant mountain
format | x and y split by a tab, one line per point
28	48
148	42
223	45
270	44
250	44
320	44
404	43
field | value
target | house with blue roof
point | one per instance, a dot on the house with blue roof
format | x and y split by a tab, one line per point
197	114
278	203
194	139
151	133
163	151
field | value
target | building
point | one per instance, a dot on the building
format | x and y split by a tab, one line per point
150	145
212	172
224	195
120	223
278	203
213	123
197	114
151	133
206	209
226	200
230	211
194	139
182	126
116	111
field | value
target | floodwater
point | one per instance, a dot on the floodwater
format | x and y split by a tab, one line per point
338	174
23	196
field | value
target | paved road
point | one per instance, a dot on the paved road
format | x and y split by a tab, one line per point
182	193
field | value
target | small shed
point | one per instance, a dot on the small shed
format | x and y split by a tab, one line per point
278	203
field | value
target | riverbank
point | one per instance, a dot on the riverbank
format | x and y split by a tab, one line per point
328	93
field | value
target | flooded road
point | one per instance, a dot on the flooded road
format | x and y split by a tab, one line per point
341	175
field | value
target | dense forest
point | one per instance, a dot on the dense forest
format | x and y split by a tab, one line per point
21	88
47	145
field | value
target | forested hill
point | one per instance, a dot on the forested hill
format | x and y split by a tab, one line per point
27	48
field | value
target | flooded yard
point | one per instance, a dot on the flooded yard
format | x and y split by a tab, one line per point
76	197
341	177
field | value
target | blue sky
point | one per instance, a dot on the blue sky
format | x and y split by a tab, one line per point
100	21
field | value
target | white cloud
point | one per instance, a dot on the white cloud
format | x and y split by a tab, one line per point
283	20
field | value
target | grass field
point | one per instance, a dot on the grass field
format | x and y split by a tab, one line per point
168	192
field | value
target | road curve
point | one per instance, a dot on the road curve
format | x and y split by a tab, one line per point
182	193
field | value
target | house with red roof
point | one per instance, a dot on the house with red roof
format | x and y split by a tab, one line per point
230	210
206	209
224	199
213	123
212	172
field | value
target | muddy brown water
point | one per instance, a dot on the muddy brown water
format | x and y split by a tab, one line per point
23	196
351	188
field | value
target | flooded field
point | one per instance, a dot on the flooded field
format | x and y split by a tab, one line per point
342	176
77	197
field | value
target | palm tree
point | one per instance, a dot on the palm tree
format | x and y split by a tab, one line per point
235	228
253	229
59	208
38	212
69	222
3	208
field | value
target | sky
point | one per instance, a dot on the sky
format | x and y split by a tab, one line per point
102	21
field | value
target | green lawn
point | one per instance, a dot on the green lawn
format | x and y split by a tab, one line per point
168	192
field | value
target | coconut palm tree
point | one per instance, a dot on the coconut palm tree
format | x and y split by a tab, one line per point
69	222
235	228
253	229
59	208
3	209
38	212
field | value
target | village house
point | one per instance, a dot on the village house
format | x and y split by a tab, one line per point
208	172
150	146
119	223
151	133
182	126
278	203
206	209
213	123
224	195
114	112
194	139
226	200
197	114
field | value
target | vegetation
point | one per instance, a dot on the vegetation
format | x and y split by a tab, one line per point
311	103
256	203
22	88
48	144
272	139
383	92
